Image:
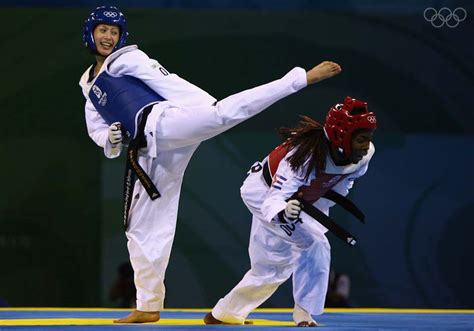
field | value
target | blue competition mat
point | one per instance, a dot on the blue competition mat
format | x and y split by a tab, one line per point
263	319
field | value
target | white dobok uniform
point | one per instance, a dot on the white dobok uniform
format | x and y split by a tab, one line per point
278	250
173	131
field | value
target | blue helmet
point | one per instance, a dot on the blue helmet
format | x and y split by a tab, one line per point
104	15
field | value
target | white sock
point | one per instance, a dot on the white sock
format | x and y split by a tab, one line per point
301	315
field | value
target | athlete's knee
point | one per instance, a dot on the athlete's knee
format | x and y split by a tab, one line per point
273	276
231	112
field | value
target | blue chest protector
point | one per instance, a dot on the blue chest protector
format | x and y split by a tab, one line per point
119	99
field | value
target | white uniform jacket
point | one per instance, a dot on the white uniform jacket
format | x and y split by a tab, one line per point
266	203
131	61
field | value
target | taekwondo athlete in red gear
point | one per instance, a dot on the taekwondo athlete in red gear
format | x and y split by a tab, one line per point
284	242
167	118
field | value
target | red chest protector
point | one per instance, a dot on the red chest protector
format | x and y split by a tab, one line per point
316	189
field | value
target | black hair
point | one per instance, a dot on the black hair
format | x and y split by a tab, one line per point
310	143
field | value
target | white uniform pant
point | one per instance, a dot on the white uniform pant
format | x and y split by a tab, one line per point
178	133
274	257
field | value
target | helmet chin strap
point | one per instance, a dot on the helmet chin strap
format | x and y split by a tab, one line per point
338	150
337	155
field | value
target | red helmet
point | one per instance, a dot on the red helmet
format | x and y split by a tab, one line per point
343	119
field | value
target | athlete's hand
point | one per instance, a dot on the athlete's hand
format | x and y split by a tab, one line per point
115	135
322	71
292	210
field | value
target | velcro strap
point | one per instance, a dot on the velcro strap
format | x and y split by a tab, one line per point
327	222
266	174
345	203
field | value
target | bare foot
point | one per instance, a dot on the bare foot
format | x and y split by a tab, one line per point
138	316
322	71
209	319
307	324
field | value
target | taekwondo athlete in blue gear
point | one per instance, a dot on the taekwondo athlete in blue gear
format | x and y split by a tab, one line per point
168	129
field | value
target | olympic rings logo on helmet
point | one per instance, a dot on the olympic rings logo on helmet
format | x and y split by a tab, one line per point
110	14
438	18
371	119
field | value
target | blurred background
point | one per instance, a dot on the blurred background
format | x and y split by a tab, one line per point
61	239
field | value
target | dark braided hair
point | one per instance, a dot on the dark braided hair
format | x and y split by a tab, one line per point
310	143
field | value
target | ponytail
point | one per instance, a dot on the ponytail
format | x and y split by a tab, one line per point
310	145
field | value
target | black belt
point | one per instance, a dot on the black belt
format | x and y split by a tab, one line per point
319	216
133	168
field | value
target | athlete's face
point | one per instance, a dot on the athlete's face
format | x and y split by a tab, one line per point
106	37
360	144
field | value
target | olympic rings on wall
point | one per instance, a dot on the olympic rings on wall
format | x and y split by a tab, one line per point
438	18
